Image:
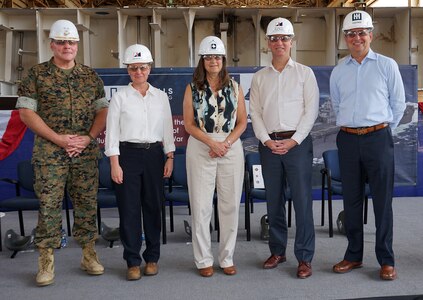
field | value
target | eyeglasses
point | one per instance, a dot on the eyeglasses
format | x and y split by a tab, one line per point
63	42
361	33
210	57
282	38
142	68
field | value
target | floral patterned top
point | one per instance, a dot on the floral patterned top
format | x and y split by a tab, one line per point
214	114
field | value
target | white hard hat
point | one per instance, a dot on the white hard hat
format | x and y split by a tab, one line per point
211	45
137	54
357	19
64	30
280	26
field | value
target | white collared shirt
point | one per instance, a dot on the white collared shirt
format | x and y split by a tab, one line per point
137	119
284	101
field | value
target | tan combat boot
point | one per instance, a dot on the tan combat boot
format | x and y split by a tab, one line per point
90	262
45	275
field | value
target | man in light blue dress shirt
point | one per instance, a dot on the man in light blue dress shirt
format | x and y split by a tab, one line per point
368	98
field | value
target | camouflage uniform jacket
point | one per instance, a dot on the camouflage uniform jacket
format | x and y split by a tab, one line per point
66	103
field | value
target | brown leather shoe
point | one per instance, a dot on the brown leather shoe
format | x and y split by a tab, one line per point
151	269
133	273
388	273
229	270
273	261
304	270
346	266
206	272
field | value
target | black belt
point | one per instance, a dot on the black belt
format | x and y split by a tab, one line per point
364	130
138	145
281	135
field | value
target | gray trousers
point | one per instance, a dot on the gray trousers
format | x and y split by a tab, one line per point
295	167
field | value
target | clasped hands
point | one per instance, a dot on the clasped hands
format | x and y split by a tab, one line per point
74	144
219	149
280	147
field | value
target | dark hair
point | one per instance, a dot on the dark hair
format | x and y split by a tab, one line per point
199	77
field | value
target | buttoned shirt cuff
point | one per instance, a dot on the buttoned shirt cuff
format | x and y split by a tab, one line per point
298	137
26	102
169	148
101	103
112	152
394	125
264	139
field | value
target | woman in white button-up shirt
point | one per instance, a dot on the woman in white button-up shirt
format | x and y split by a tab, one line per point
139	129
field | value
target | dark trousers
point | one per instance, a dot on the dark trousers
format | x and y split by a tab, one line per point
372	156
141	190
296	168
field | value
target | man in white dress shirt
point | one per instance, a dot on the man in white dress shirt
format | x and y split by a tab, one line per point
284	102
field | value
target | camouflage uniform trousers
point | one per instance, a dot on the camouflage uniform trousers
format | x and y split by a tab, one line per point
81	181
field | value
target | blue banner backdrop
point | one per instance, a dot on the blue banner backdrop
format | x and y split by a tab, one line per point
408	151
174	80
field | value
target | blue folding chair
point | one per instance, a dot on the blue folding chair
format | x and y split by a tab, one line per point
25	198
331	183
251	193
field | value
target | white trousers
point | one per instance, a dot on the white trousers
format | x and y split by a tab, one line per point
204	174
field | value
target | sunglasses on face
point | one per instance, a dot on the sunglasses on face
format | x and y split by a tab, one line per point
63	42
142	68
361	33
282	38
210	57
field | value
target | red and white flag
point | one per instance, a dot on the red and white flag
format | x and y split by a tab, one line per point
12	131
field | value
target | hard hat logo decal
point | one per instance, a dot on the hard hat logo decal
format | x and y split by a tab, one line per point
213	46
137	54
279	27
356	17
66	32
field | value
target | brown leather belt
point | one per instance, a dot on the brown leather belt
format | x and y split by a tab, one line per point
138	145
281	135
364	130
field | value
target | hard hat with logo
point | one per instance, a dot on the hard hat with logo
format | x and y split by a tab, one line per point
280	26
357	19
211	45
137	54
64	30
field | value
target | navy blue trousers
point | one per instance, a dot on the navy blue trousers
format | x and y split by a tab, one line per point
295	167
141	191
372	156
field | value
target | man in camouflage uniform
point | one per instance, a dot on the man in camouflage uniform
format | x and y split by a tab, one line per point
63	103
